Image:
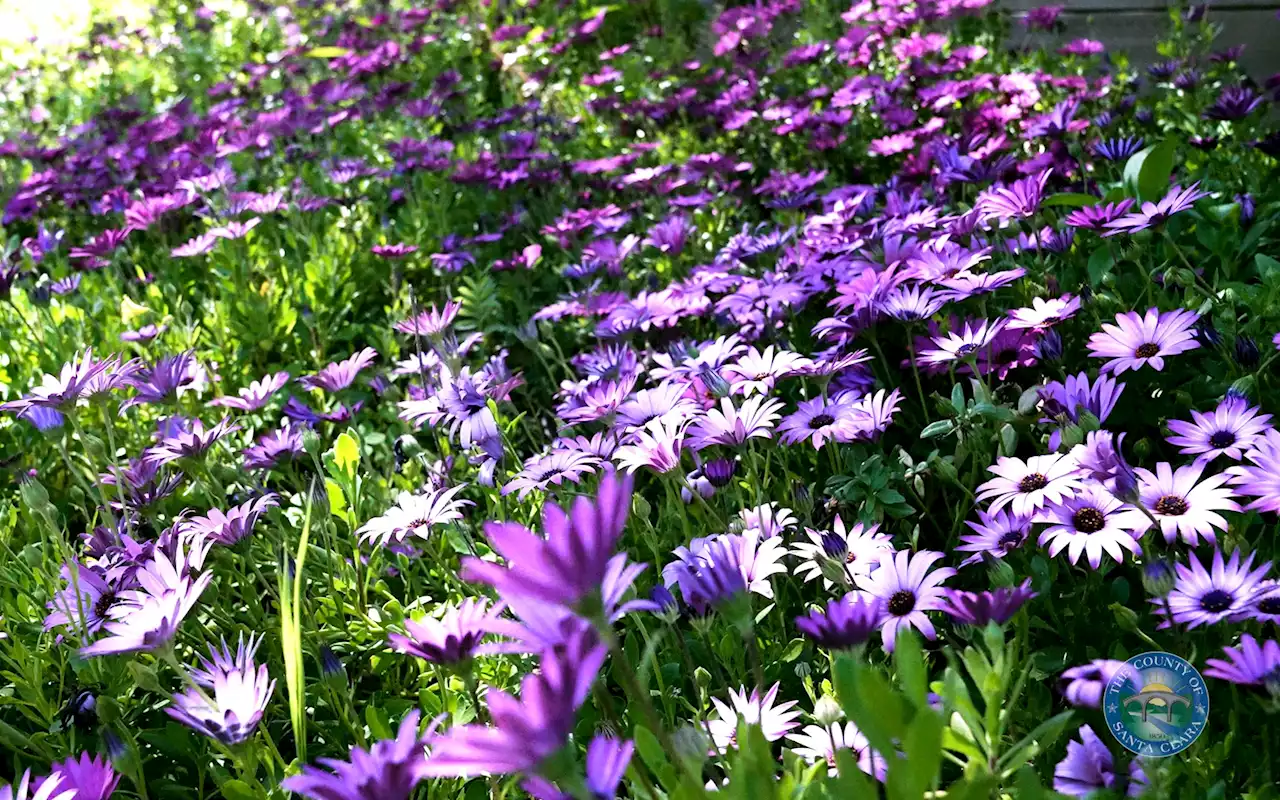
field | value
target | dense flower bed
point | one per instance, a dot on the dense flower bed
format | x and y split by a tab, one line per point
649	399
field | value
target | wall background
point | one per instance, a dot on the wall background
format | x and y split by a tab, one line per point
1133	25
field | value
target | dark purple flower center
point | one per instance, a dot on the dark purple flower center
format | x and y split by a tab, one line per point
1033	483
1216	600
1148	350
549	473
104	604
1171	505
1222	439
1089	520
966	349
1010	540
821	421
1269	605
901	603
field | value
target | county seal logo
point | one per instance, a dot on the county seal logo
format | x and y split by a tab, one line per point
1156	705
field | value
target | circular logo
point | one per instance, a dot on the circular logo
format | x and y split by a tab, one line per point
1156	705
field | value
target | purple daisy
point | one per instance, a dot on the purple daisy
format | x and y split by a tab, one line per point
1018	200
1207	597
340	374
1027	486
233	705
1151	214
551	469
1234	103
1068	401
1044	313
167	380
962	344
230	527
255	395
88	778
1249	664
393	251
1229	430
85	603
669	235
995	535
657	446
819	421
844	624
193	442
389	770
274	447
431	322
567	564
1137	341
527	731
607	761
61	391
732	426
148	617
1090	523
775	721
453	639
1101	459
1260	478
668	402
1183	505
1089	768
1097	217
980	608
908	589
1083	686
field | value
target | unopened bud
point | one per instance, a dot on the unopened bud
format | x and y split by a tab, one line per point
827	711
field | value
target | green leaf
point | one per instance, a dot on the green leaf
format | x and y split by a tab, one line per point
237	789
346	453
1100	263
1033	743
1029	786
908	779
378	721
869	702
145	677
978	787
326	52
1008	440
908	660
1070	200
650	750
1146	174
957	398
940	428
1268	267
337	501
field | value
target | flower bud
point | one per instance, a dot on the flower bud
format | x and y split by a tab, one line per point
715	383
1246	353
827	711
1158	577
1049	348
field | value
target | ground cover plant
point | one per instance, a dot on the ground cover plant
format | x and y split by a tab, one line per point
652	399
